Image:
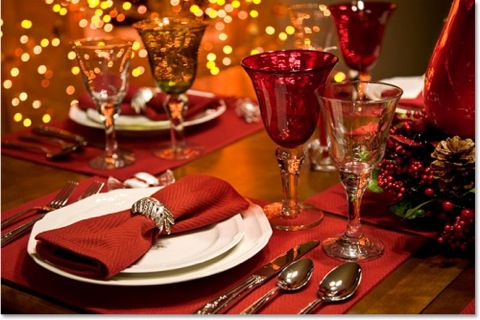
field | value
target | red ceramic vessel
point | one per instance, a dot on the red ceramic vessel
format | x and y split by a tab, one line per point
449	91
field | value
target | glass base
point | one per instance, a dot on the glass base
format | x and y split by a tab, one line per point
189	152
342	247
309	217
122	158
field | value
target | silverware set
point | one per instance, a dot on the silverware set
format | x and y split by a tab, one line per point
54	143
59	201
268	271
339	284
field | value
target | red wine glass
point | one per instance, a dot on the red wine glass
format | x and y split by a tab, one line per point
360	28
285	82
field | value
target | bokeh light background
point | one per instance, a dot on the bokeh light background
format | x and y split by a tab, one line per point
40	79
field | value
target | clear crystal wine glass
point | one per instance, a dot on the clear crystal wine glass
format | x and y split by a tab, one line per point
105	64
172	44
357	116
285	82
360	28
315	30
314	26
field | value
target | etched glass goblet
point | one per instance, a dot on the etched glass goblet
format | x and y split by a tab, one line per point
315	30
285	82
357	116
172	44
104	64
360	28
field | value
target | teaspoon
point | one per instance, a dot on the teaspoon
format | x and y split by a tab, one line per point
339	284
294	277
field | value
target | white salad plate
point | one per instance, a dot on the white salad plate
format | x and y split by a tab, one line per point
173	258
141	123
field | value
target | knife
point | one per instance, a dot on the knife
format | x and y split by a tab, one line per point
230	297
67	135
60	133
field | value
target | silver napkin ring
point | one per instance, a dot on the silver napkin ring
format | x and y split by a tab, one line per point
155	210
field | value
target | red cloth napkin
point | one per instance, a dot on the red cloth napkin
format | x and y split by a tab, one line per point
103	246
154	108
416	103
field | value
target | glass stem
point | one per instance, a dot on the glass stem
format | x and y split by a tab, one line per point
176	108
364	76
355	184
109	112
290	161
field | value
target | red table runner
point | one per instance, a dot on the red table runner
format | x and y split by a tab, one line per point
213	135
183	298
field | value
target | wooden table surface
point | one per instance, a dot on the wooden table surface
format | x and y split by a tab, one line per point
428	282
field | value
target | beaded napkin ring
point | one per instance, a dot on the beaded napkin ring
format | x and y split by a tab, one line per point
155	210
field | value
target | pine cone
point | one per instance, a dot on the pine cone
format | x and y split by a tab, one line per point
454	165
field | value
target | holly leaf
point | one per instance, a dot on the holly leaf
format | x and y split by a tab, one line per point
407	209
373	184
416	212
400	208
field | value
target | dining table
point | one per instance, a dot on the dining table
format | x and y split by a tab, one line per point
415	275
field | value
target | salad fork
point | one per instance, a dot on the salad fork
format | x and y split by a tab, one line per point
57	202
94	188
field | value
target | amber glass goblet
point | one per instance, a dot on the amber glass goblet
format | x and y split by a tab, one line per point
172	44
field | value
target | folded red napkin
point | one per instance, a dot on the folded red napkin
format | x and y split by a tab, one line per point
416	102
154	109
103	246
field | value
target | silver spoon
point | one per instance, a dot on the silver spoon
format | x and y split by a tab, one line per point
294	277
339	284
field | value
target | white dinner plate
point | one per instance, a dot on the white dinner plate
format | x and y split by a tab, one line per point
140	123
177	251
257	232
169	252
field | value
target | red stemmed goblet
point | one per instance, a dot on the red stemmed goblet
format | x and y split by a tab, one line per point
285	82
360	27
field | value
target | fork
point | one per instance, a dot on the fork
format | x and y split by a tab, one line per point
92	189
57	202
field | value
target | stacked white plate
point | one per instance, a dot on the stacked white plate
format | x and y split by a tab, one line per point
131	124
172	259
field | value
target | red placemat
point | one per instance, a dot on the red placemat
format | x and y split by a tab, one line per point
470	308
374	210
213	135
183	298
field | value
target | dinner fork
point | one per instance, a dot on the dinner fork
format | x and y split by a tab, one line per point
94	188
57	202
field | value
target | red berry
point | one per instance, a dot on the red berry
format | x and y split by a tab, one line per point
429	192
467	214
447	206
